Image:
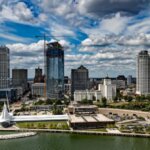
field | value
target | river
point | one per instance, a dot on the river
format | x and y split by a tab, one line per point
54	141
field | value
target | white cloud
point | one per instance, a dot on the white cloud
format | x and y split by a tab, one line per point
135	40
13	37
60	30
115	25
142	26
18	12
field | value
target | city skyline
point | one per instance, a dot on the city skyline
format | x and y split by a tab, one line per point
118	33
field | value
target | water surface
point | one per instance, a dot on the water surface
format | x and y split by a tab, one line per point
54	141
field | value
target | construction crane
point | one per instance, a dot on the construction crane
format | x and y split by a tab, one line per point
44	37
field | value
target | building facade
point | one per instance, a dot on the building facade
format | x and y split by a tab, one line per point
20	78
79	79
37	89
108	89
54	71
86	94
121	82
4	68
39	78
129	80
143	73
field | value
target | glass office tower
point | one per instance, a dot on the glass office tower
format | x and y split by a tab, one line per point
54	71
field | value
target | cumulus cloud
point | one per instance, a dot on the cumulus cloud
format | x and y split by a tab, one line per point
140	26
17	12
60	30
111	32
102	42
105	7
135	40
29	55
115	25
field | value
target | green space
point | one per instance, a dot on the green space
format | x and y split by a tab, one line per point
44	125
99	130
136	105
7	132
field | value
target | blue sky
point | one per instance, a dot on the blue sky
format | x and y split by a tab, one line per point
103	35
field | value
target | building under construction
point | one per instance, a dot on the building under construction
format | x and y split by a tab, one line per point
54	71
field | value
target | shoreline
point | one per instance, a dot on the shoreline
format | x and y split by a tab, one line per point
84	132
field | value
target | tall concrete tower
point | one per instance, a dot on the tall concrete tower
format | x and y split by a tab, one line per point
143	73
4	67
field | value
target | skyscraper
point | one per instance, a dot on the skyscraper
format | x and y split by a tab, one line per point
20	78
79	78
54	71
4	68
39	78
143	73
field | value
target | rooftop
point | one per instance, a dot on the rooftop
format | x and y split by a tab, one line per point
89	118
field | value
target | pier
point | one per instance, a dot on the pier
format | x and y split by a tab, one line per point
17	135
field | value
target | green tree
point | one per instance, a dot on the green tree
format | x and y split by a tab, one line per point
84	101
49	102
138	98
129	98
104	101
115	99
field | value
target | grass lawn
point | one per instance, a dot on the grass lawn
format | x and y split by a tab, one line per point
119	104
100	130
44	125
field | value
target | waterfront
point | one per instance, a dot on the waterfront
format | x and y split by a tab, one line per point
56	141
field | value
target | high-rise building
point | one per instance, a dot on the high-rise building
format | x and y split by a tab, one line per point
39	78
4	68
79	79
129	80
20	78
38	72
54	71
143	73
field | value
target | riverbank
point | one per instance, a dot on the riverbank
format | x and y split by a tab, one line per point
17	135
85	132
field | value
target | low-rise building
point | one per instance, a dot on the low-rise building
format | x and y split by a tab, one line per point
37	89
128	92
82	109
87	94
19	91
87	117
107	89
